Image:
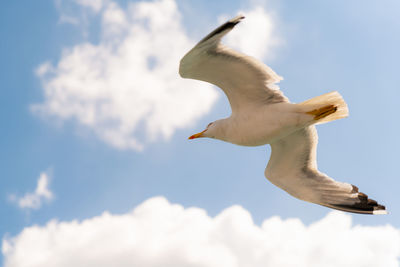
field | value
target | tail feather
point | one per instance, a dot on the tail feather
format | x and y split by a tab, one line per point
327	107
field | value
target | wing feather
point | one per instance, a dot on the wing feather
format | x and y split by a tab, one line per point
245	80
293	168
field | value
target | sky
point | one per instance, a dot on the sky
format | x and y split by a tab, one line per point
96	166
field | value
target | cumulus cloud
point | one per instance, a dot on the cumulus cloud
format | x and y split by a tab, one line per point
34	200
126	88
157	233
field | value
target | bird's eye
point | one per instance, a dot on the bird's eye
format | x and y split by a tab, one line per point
209	124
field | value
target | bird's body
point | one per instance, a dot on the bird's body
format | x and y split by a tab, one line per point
261	115
258	125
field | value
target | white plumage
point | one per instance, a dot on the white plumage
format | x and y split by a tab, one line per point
261	114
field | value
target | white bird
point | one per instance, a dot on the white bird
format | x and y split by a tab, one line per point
261	114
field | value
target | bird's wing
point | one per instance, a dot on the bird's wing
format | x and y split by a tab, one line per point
293	168
244	79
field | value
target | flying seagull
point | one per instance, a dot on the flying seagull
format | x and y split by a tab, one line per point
261	115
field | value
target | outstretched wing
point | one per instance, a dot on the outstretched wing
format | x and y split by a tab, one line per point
293	168
245	80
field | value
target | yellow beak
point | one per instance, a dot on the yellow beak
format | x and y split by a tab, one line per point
200	134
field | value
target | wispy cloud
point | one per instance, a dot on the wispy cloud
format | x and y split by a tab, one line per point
95	5
35	200
72	13
157	233
126	88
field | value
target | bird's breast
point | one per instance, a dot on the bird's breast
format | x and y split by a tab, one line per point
262	126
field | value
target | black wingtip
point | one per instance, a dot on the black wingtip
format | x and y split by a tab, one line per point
230	24
364	206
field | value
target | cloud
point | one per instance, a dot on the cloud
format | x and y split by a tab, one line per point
95	5
157	233
34	200
126	88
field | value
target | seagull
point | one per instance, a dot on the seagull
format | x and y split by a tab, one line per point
261	115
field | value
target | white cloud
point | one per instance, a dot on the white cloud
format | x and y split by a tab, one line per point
34	200
126	88
157	233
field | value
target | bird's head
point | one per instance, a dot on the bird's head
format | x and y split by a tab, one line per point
210	131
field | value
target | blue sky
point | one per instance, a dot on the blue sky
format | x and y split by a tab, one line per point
319	46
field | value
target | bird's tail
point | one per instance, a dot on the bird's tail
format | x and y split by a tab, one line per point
327	107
